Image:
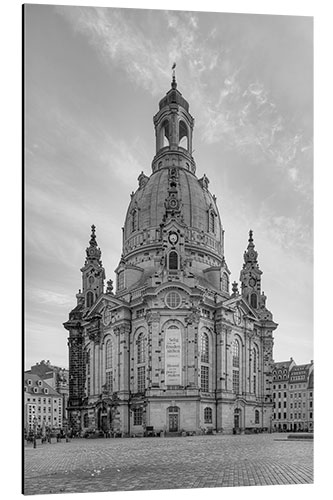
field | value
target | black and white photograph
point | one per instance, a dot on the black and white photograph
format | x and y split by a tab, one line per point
168	249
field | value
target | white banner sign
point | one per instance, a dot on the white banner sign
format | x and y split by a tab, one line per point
173	352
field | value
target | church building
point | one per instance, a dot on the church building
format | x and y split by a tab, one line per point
172	349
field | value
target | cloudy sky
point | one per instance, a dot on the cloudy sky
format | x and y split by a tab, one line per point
93	79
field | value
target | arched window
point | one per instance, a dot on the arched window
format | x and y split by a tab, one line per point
254	300
256	417
255	361
183	135
109	366
204	347
235	353
108	354
235	364
86	420
90	299
173	260
208	415
204	358
211	222
141	349
141	359
255	368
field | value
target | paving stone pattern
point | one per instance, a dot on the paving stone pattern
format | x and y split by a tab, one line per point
84	465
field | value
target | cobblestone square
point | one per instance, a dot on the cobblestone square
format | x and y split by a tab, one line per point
97	465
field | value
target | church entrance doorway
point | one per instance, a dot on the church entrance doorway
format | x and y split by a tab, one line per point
103	420
173	419
237	414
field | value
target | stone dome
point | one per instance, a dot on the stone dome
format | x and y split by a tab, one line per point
196	205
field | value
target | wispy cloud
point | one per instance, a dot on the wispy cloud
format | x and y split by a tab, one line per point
49	297
120	41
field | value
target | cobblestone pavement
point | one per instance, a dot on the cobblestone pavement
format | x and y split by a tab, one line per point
94	465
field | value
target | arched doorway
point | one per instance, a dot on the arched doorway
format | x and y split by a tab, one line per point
237	419
104	419
173	418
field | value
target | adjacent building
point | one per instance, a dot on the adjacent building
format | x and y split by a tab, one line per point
293	396
43	406
174	347
57	378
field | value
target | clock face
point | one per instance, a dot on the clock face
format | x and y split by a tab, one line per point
107	316
237	317
173	203
173	238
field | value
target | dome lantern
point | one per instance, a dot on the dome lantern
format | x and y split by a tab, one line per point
173	130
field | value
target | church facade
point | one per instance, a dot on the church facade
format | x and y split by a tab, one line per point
173	348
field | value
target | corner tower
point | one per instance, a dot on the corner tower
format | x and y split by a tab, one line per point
250	275
93	274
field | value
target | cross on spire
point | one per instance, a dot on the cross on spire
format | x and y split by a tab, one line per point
92	241
174	83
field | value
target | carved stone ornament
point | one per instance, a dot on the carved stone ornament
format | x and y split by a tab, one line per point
153	317
193	317
94	332
107	315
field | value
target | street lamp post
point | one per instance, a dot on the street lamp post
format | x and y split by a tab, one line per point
35	432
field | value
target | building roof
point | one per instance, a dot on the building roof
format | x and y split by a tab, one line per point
38	385
300	373
283	364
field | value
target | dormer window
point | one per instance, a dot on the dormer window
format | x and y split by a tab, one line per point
211	222
134	221
29	381
173	260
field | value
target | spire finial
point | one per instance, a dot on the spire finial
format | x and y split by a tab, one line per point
250	255
92	241
174	83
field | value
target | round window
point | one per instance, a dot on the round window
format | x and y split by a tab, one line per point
173	300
